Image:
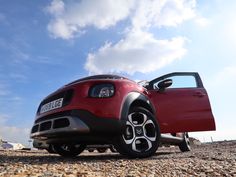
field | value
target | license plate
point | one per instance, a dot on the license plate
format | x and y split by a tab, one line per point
51	105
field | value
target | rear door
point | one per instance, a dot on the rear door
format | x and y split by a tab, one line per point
184	106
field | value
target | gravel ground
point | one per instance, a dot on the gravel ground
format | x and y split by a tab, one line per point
216	159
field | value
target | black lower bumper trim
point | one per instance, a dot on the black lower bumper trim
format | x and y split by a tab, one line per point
98	124
100	129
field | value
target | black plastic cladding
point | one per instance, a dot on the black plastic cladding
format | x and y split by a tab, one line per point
130	99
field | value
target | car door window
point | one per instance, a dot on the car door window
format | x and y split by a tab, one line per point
180	82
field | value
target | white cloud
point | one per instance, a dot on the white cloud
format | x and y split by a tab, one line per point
225	78
162	13
139	51
56	7
8	132
218	135
12	133
15	134
229	71
70	18
228	30
59	28
201	21
175	12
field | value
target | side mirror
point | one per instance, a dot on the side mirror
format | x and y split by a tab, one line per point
164	84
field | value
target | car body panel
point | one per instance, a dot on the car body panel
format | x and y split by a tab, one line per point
175	109
102	107
182	109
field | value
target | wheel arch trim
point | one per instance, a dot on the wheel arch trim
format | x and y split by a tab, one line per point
133	98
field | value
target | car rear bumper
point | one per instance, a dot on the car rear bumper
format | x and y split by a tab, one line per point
75	126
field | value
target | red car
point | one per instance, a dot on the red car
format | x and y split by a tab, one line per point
134	118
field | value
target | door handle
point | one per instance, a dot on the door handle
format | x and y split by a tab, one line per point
199	94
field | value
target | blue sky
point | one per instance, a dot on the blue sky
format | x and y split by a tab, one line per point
46	44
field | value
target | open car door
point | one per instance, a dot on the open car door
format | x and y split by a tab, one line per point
181	103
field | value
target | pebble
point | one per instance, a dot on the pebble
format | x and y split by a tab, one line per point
217	159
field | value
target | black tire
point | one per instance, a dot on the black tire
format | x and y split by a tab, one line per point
69	150
142	134
184	146
113	149
50	149
101	150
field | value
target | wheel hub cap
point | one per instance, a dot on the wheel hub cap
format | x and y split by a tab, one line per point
140	132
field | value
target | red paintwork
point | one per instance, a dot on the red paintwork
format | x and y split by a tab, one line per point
177	110
182	110
103	107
